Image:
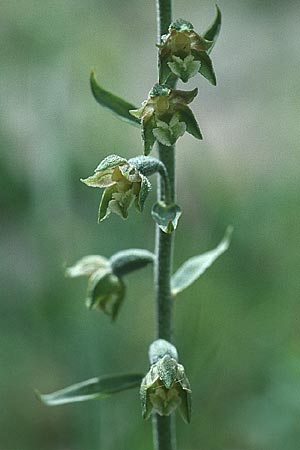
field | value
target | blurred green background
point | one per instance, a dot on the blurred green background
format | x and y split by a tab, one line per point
237	329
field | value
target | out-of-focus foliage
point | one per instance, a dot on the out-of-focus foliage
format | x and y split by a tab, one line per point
241	317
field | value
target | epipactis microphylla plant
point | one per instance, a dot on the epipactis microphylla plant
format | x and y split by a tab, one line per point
163	118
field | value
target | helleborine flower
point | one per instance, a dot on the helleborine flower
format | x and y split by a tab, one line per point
166	388
105	291
165	116
184	53
123	185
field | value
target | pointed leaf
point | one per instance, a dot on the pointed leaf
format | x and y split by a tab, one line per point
213	31
166	216
127	261
112	102
186	115
194	267
91	389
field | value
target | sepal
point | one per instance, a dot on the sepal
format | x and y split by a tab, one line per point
206	68
86	266
186	115
148	123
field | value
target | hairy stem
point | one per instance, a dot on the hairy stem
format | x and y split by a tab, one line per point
164	427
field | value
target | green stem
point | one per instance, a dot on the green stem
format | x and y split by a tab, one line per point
164	427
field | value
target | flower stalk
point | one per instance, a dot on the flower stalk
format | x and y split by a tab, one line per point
164	426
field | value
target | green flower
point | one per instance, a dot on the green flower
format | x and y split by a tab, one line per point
184	53
166	387
165	116
106	289
123	185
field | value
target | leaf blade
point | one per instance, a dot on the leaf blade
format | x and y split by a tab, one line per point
194	267
91	389
115	104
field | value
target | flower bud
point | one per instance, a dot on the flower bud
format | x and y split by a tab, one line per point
165	387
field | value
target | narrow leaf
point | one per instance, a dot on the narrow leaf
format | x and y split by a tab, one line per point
91	389
213	31
194	267
112	102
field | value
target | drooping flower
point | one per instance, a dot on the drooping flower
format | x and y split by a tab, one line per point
106	288
123	185
105	291
165	387
165	116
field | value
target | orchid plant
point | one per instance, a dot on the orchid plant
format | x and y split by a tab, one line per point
163	118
